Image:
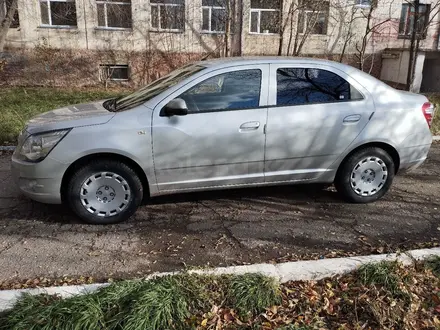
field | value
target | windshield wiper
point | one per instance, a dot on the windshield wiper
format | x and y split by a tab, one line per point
112	104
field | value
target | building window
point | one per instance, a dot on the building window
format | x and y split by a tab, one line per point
407	20
265	16
114	13
313	17
362	3
113	72
168	15
4	6
214	15
58	13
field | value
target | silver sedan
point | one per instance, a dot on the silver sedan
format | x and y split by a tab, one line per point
221	124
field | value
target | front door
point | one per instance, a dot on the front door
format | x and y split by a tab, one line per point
316	113
221	140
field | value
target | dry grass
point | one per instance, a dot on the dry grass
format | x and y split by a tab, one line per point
435	128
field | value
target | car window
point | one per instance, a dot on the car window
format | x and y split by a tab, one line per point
157	87
229	91
296	86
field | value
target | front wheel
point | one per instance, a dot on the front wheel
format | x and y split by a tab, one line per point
104	192
366	175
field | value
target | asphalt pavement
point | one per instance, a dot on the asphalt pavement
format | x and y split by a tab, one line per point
223	228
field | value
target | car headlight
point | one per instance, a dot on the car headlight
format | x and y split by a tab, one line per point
36	147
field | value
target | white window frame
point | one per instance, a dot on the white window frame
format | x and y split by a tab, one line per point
210	19
305	21
50	16
111	67
407	29
360	4
105	2
159	9
259	11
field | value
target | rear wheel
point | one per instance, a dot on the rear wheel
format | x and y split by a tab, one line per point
104	192
366	175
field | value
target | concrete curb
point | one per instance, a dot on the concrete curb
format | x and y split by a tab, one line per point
9	297
291	271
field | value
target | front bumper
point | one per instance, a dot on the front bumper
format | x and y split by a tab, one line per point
39	181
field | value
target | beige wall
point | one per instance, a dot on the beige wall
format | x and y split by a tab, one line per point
141	38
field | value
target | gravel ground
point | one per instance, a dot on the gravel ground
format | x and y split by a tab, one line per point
216	229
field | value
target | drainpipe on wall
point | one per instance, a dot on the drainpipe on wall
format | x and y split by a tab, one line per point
437	39
85	24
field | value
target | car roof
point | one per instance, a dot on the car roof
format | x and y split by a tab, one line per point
228	61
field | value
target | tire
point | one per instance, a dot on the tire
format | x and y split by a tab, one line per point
104	192
365	176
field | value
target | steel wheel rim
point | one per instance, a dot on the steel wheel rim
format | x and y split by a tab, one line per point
369	176
105	194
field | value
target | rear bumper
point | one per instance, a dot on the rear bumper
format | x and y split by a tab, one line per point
411	158
39	181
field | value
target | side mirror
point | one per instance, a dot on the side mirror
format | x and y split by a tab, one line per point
176	107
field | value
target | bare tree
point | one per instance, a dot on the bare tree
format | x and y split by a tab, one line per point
421	22
6	21
304	19
344	15
372	25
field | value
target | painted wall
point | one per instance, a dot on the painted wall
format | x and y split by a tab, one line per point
141	38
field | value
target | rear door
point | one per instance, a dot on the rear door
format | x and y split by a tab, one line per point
316	112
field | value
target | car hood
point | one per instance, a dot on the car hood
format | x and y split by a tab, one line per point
71	116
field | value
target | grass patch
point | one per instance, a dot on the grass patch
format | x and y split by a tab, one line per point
19	104
435	98
435	128
163	303
253	293
382	274
385	296
433	264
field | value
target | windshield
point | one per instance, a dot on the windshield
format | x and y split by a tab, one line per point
155	88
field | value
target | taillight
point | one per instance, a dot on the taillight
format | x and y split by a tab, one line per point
428	112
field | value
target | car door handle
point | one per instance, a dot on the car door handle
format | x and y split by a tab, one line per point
250	126
352	119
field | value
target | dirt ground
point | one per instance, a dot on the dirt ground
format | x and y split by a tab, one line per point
216	229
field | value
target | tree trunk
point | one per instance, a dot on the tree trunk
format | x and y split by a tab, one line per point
412	49
228	27
289	46
365	40
281	27
6	23
238	28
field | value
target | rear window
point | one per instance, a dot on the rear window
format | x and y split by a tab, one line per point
298	86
